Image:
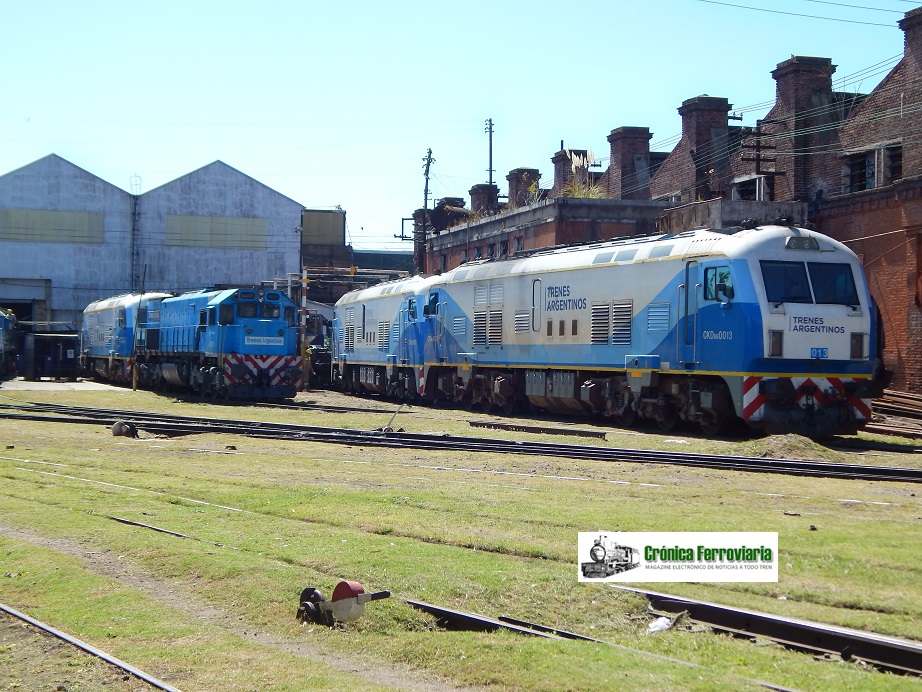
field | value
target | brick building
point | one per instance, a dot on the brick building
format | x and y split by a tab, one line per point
851	160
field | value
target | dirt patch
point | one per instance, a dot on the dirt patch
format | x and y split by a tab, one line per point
790	447
34	660
110	565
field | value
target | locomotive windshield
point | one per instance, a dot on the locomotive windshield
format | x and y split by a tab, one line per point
833	283
270	311
786	282
246	309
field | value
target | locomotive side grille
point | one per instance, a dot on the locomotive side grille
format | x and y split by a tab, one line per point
495	329
621	312
349	330
658	317
384	332
601	323
394	337
522	321
459	326
480	328
496	294
480	295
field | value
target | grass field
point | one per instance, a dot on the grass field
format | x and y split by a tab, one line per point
489	534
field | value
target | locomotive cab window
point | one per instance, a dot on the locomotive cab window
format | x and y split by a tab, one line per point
290	316
833	283
270	311
717	283
226	315
432	307
786	282
246	309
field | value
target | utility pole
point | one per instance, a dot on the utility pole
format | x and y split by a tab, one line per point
488	128
422	223
428	161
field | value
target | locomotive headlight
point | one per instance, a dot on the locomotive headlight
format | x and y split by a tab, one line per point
857	345
775	344
281	332
597	553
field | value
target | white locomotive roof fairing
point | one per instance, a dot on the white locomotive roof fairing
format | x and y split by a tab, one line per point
124	300
412	284
694	244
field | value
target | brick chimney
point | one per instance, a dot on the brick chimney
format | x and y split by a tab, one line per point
704	129
701	116
629	167
800	80
484	198
520	179
804	101
911	24
563	168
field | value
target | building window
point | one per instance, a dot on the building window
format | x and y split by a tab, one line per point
860	172
443	262
492	250
893	163
463	255
519	244
504	248
477	254
747	189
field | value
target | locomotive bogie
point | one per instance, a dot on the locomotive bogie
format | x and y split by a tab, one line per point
683	327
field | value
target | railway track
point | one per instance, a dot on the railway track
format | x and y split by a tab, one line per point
98	653
186	425
885	653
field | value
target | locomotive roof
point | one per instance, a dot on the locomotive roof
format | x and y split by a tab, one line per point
696	243
125	299
732	243
219	295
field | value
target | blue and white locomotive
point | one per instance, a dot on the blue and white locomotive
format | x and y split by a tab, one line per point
232	343
773	325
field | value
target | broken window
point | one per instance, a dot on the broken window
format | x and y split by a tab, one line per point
860	172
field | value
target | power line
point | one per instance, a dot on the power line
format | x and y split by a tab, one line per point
857	7
797	14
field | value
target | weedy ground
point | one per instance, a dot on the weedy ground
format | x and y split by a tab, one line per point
214	608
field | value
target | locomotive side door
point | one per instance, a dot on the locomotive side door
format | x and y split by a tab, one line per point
687	325
407	332
435	314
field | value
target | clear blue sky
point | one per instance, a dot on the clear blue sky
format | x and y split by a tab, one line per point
335	103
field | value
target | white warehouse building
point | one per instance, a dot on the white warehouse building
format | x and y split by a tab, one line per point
68	238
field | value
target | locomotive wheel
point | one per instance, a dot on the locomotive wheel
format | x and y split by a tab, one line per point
510	406
669	419
627	418
712	426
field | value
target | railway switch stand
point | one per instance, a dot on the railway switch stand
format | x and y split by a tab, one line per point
347	604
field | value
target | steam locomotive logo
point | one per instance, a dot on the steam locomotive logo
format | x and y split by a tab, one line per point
608	558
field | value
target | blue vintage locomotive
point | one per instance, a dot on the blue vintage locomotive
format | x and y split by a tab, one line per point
233	343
